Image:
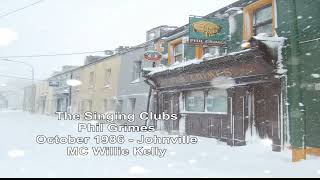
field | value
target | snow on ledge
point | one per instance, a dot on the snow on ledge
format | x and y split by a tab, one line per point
173	66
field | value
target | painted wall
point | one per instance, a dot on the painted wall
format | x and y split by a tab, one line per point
44	98
299	21
129	87
98	93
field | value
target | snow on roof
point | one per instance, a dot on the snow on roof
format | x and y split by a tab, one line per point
264	37
187	63
172	67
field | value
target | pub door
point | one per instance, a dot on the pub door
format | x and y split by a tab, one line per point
267	113
240	120
170	106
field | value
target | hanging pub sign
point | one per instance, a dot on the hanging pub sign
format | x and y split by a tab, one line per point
208	31
152	56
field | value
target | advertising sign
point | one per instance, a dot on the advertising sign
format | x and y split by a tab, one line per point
152	56
209	32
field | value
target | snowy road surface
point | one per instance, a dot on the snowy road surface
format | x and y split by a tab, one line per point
20	156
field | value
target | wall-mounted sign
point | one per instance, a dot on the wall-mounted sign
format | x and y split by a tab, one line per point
152	56
235	71
53	84
210	32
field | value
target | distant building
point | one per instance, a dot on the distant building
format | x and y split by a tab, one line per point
29	95
61	97
159	31
44	98
3	102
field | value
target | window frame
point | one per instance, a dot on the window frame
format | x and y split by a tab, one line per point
171	47
205	92
248	17
107	78
186	98
266	22
178	54
92	81
215	90
137	72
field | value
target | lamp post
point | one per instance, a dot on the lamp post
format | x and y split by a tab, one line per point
27	64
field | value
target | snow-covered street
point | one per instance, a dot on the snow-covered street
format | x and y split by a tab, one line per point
21	156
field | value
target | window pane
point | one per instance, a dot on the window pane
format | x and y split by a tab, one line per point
107	76
217	101
263	15
195	101
214	51
267	29
91	80
178	58
178	49
137	67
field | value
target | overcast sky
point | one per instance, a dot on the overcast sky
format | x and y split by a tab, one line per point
65	26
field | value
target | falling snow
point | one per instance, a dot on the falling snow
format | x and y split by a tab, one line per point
209	157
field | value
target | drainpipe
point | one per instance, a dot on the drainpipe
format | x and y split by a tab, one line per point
70	95
152	87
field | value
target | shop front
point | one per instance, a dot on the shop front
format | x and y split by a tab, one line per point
232	98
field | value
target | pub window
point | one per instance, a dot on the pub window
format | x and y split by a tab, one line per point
262	20
211	51
178	53
107	77
195	101
217	101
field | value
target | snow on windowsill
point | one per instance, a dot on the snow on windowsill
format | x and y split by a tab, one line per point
107	87
136	81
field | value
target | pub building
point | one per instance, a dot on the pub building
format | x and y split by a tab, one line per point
231	98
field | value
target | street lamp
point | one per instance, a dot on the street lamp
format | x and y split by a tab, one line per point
29	65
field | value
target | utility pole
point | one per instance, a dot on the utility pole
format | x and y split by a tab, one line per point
21	62
32	78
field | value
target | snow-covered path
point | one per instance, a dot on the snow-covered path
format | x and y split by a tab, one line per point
20	156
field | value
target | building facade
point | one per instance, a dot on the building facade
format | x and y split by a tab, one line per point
29	102
44	98
99	86
268	94
133	92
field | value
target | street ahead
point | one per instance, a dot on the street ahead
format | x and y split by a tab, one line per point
22	156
